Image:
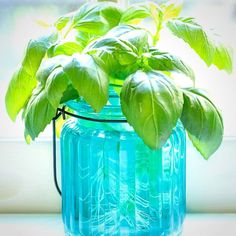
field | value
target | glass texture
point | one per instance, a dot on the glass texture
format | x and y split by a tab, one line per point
113	184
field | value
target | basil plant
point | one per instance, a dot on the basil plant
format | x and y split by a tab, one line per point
102	45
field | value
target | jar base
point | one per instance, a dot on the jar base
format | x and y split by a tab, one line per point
125	232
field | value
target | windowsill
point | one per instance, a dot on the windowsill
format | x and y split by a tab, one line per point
50	224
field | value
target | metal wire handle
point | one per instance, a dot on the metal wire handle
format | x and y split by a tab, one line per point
62	112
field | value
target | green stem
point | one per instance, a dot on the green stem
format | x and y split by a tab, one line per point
68	31
158	23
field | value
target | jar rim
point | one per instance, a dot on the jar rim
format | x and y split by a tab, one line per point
111	111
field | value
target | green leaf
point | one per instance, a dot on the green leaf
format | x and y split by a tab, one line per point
138	12
223	58
96	18
35	52
171	9
166	62
67	48
62	21
112	14
55	86
202	121
23	81
138	37
193	34
120	58
83	38
89	79
44	102
152	105
75	42
120	49
69	94
135	12
49	65
18	92
123	51
38	113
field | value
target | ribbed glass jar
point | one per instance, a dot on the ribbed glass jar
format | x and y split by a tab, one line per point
113	184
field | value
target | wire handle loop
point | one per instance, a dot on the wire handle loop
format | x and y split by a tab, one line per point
62	112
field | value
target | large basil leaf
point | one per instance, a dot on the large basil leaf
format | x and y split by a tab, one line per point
18	92
193	34
202	121
163	61
44	102
152	105
89	79
23	81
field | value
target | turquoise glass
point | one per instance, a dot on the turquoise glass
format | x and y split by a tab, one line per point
113	184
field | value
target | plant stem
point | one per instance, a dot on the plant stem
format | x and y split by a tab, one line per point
68	31
158	22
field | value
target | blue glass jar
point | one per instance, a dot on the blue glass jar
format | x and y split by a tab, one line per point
113	184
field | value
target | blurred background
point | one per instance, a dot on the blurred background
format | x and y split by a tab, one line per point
26	180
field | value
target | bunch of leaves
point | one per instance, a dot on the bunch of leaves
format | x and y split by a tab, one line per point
101	45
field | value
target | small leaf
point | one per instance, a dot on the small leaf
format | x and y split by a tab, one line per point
152	105
75	42
171	9
95	18
138	12
89	80
202	121
166	62
63	21
67	48
193	34
112	14
135	12
136	36
123	51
